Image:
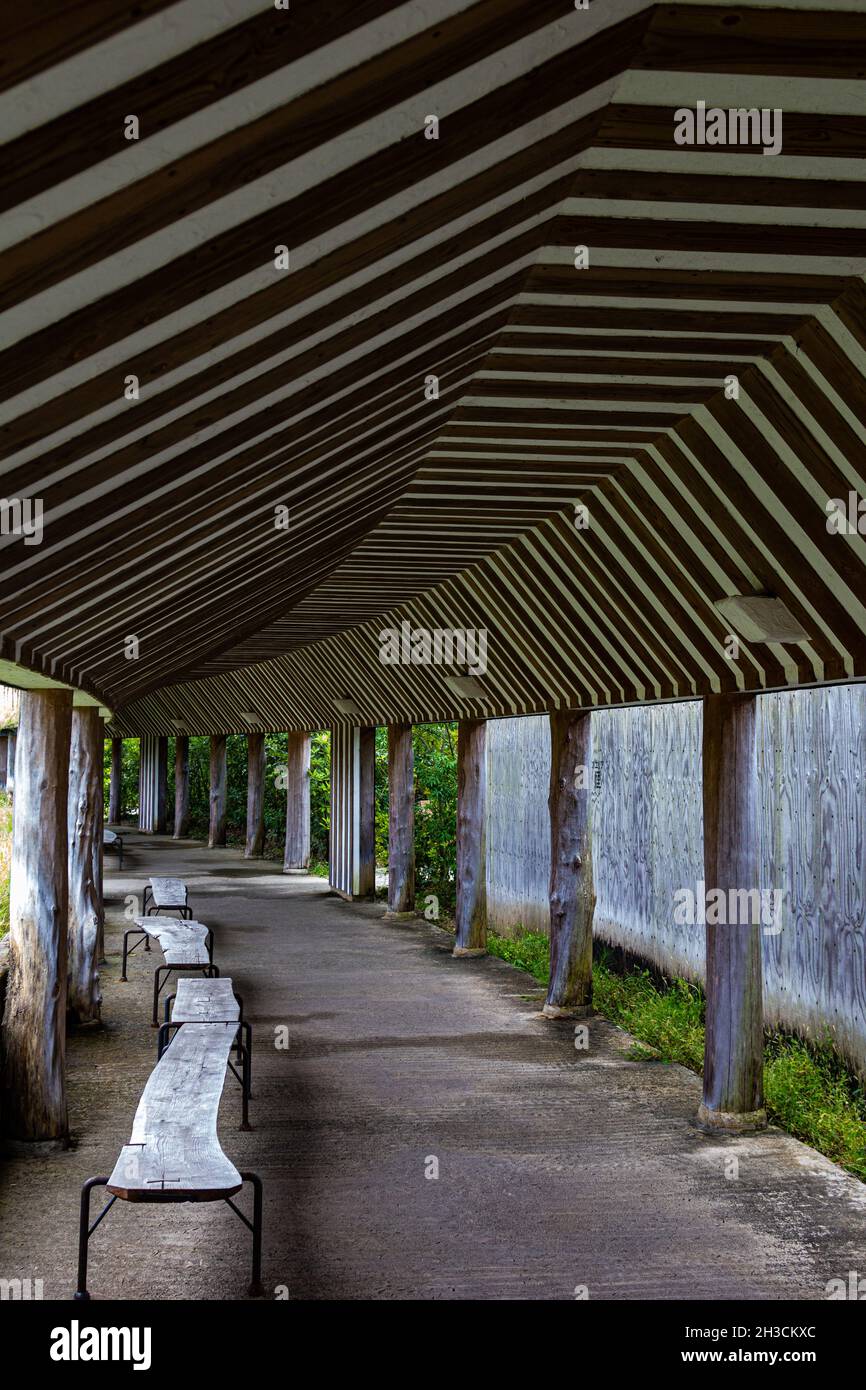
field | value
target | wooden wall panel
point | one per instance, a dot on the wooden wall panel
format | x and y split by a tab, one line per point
647	842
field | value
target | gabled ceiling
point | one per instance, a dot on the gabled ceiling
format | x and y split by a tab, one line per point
411	257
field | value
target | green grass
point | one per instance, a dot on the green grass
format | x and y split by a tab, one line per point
809	1090
5	859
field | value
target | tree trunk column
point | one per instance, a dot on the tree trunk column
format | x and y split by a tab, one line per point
85	865
255	796
734	1052
4	760
181	787
115	783
218	776
471	910
401	822
34	1101
297	855
572	900
367	814
161	812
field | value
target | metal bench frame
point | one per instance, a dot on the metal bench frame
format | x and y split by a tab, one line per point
210	971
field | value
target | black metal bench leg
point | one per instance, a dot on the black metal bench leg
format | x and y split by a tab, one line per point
157	986
127	950
85	1231
248	1059
255	1289
166	1005
163	1038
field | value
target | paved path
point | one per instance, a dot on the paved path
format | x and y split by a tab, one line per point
556	1169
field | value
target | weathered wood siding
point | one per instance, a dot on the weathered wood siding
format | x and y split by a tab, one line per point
647	842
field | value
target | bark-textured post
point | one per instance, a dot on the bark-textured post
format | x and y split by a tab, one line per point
181	787
34	1034
471	911
734	1053
255	845
161	811
4	760
115	783
367	813
218	777
572	900
297	855
401	822
84	933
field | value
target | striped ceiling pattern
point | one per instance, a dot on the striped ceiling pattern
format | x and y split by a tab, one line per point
246	468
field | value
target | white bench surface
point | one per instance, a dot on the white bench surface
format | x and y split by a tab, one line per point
109	837
174	1151
183	943
205	1001
168	892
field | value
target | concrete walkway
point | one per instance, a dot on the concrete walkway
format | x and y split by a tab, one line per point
557	1170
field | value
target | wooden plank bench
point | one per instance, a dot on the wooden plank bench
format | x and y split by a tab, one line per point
112	841
212	1001
173	1154
166	895
185	946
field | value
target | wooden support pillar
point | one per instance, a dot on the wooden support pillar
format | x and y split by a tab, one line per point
181	787
734	1053
471	911
401	822
34	1024
84	932
4	760
218	778
367	813
115	783
10	762
572	900
255	844
161	811
297	853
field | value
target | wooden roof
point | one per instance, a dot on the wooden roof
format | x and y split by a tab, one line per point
411	257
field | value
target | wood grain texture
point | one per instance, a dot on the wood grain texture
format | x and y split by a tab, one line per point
173	1150
470	914
367	813
256	761
85	914
401	819
734	1049
218	775
183	943
572	900
34	1020
115	785
181	786
204	1001
296	857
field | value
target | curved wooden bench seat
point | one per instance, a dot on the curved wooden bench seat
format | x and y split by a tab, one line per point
174	1153
166	895
185	946
212	1001
112	841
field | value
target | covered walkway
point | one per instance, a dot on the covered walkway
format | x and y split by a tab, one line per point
557	1168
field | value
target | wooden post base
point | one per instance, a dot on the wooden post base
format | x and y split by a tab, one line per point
461	951
730	1122
558	1011
390	916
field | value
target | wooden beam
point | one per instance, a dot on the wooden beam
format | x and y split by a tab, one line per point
161	810
255	796
218	776
297	853
401	822
34	1024
115	783
84	920
734	1053
471	911
572	900
367	815
181	787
